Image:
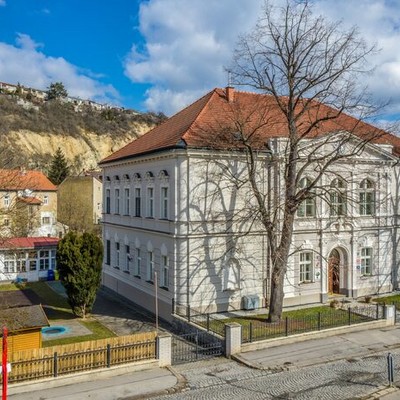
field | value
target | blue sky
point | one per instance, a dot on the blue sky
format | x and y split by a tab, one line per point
160	55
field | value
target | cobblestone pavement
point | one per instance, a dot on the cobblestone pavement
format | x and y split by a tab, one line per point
340	380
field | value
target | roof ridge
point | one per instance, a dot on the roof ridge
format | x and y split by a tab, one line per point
211	94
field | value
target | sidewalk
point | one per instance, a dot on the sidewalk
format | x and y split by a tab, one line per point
116	383
321	351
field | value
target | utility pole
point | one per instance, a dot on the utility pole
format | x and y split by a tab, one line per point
4	364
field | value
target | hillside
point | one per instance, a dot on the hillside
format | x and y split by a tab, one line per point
30	133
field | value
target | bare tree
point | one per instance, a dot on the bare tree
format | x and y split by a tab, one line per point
311	69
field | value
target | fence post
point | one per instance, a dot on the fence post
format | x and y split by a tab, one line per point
251	332
173	305
390	369
197	344
287	326
208	322
233	339
188	312
108	355
349	315
55	365
164	349
377	310
319	320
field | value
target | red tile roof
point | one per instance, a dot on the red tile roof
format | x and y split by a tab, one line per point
16	179
28	242
210	121
30	200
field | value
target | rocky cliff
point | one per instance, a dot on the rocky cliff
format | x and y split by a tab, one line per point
31	133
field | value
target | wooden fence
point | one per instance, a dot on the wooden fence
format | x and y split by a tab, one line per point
76	357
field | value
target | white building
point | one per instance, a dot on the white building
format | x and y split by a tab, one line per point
177	202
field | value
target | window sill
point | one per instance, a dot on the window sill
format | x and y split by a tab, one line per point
151	282
116	268
306	282
164	219
149	217
126	271
164	288
117	214
137	276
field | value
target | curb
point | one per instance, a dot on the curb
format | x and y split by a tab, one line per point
180	386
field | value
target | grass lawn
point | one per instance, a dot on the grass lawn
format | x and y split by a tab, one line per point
56	307
256	327
388	299
99	332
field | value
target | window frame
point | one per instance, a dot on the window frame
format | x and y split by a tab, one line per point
307	208
150	202
150	267
337	198
366	261
108	202
164	283
117	201
127	201
138	201
164	202
366	199
306	266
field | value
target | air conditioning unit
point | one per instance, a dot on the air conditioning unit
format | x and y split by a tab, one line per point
251	302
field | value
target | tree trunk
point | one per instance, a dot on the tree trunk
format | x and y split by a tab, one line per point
277	294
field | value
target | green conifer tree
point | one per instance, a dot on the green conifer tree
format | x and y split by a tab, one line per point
59	168
79	259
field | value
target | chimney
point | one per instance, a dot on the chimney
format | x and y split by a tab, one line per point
230	94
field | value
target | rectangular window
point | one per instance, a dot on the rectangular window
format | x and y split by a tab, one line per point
366	261
138	263
53	264
138	211
108	201
116	201
164	203
46	221
6	222
108	252
164	272
150	202
306	266
6	200
116	254
127	202
9	263
44	260
46	200
21	262
127	257
32	260
150	266
367	203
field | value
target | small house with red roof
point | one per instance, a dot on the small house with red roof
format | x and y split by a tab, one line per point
178	210
28	204
27	258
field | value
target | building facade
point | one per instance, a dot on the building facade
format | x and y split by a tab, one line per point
80	201
180	218
28	204
27	259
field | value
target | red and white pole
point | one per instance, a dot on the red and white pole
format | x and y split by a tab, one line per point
4	364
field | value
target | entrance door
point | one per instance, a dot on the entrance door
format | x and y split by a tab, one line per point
334	272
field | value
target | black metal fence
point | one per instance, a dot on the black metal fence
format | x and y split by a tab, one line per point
190	347
211	322
330	318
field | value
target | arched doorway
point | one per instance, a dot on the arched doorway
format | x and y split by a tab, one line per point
334	272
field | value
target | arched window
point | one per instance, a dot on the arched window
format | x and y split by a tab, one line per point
338	197
307	207
367	198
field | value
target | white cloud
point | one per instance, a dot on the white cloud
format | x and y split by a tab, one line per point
188	43
2	3
27	65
